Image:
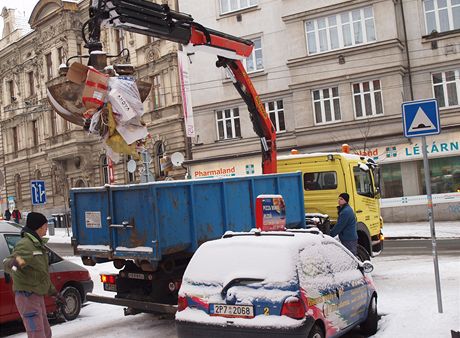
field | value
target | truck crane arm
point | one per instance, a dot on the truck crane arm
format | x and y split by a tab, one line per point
143	17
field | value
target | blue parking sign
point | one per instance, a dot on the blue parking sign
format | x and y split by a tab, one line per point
38	192
421	118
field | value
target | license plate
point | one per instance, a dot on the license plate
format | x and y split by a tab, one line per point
110	287
224	310
136	275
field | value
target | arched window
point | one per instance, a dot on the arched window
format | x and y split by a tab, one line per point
38	174
80	183
105	178
159	152
17	187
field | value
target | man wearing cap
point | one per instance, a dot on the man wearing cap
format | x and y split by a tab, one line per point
346	224
28	266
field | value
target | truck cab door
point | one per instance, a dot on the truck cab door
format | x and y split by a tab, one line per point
365	198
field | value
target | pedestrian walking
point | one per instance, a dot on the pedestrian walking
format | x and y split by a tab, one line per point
7	215
28	266
16	215
346	224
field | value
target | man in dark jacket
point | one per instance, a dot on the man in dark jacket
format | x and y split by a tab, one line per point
7	215
28	266
346	224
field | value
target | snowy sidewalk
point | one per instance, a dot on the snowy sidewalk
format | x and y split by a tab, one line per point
390	231
421	230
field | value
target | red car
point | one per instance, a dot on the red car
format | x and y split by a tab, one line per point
70	279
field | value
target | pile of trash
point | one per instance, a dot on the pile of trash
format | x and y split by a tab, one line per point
113	110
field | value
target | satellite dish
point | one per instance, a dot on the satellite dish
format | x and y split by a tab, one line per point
131	166
177	159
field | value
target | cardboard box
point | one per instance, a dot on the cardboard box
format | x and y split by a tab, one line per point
95	88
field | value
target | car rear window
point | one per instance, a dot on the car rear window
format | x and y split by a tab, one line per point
217	262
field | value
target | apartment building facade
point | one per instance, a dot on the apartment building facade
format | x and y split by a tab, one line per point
37	144
334	72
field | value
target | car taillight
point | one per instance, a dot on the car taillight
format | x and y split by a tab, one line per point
181	303
293	307
111	279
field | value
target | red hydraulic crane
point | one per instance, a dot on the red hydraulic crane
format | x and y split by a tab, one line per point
160	21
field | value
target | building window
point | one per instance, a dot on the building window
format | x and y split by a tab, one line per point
61	56
17	187
341	30
391	180
30	78
275	110
254	62
15	141
326	103
10	86
441	15
105	173
53	123
446	87
49	66
228	124
367	99
38	174
444	175
34	133
227	6
156	97
118	41
159	153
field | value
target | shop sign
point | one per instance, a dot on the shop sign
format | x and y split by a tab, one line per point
222	168
436	145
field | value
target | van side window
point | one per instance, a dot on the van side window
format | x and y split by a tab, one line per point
363	182
325	180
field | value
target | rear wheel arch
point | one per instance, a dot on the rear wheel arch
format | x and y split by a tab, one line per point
77	286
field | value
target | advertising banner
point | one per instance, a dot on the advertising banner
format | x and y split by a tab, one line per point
184	76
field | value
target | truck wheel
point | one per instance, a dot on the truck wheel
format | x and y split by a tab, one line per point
370	325
362	254
72	306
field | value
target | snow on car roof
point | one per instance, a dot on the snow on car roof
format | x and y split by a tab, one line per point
270	256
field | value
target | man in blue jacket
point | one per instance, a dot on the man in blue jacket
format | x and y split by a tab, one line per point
346	224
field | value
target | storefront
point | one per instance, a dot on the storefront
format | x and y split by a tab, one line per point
402	166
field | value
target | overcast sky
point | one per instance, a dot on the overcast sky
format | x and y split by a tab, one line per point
24	6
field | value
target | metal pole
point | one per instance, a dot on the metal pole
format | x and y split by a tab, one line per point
426	167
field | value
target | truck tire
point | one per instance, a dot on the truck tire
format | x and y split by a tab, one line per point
72	306
362	253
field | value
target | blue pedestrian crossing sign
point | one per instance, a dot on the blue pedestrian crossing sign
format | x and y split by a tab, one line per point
421	118
38	192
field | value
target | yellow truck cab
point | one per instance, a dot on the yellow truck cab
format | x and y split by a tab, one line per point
325	176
